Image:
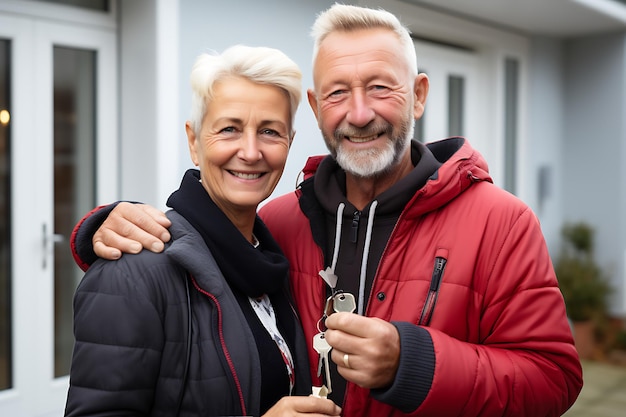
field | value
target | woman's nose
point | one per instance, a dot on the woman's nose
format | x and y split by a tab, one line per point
249	149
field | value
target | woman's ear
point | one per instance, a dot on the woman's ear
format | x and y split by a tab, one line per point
293	135
191	143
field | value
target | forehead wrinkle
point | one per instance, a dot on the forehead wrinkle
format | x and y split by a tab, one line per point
353	63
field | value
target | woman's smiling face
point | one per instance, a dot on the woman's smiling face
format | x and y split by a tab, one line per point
243	143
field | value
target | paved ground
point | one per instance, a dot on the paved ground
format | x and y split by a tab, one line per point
604	391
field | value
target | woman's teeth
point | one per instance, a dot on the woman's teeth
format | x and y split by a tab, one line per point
245	176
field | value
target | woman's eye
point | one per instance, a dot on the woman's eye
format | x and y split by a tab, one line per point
269	132
229	129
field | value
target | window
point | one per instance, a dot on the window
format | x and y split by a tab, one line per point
511	77
456	98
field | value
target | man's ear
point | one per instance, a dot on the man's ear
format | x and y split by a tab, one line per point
191	143
310	94
420	90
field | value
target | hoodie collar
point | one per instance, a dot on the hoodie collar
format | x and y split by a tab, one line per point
330	183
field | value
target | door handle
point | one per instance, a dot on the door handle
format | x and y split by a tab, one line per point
44	245
48	240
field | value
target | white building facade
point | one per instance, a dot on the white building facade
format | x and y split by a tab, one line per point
94	95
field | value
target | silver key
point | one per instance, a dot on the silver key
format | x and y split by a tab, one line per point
320	364
344	302
322	347
319	343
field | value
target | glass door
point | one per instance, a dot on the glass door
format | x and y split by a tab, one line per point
5	217
74	173
57	161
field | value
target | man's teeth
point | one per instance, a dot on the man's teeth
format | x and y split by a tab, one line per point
362	140
245	176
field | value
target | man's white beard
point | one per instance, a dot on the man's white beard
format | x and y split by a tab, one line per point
370	163
367	163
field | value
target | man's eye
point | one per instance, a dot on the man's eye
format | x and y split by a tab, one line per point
337	93
229	129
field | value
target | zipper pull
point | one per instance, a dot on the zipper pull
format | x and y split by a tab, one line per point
354	229
440	264
433	292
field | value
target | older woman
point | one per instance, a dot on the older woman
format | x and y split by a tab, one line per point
207	327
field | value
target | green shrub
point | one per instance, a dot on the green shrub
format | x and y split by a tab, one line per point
582	281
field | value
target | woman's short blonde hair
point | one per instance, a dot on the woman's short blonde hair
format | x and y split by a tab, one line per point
260	65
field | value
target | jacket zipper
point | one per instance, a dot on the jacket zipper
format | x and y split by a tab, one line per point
220	331
354	229
433	292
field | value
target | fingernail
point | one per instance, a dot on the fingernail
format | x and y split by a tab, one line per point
135	247
157	247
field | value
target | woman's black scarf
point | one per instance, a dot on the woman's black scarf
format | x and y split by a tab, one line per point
253	271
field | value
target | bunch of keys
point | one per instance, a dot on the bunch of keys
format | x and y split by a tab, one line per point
339	301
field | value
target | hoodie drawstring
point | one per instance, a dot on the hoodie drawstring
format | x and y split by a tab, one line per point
366	249
337	235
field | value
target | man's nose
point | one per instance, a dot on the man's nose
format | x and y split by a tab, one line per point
360	113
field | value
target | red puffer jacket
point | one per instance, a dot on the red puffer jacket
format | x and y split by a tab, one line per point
468	263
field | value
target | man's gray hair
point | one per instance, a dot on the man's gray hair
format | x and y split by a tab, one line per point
346	18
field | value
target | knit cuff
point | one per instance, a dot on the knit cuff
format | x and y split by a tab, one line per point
415	371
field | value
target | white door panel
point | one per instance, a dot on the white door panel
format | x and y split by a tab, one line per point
447	68
58	161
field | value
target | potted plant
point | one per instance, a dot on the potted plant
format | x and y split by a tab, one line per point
583	284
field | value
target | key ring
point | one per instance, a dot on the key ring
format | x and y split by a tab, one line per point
319	323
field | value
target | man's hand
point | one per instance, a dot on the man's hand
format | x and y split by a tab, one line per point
130	228
372	346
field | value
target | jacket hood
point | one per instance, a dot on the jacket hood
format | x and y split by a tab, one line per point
462	166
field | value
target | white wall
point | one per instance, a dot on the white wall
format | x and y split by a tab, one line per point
148	47
593	148
545	130
138	148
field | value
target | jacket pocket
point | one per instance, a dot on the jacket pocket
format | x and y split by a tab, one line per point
435	283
